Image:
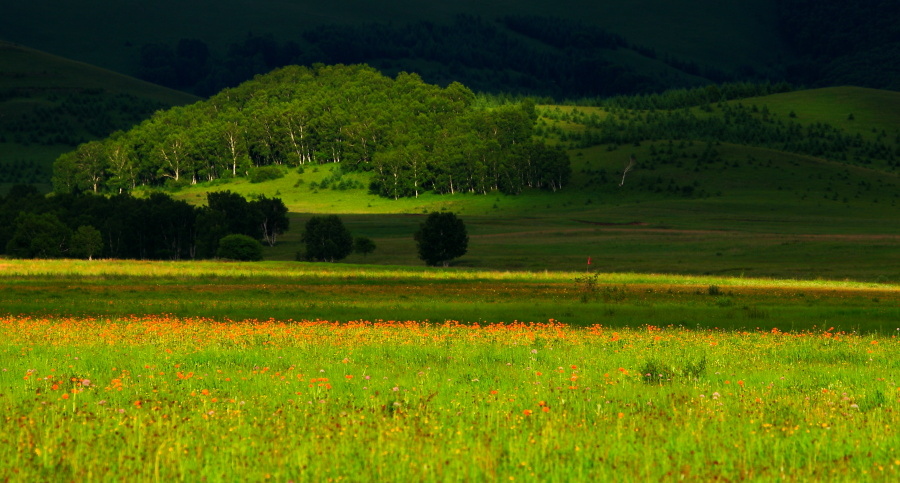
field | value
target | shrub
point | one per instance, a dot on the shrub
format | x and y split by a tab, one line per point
265	173
240	247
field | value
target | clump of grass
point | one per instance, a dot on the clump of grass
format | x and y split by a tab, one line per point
614	293
656	372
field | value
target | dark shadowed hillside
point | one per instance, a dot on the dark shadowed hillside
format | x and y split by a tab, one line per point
49	104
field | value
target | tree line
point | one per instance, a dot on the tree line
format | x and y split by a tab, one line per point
83	225
505	55
833	42
72	117
79	225
412	136
690	97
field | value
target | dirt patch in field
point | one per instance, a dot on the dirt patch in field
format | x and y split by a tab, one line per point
623	227
602	223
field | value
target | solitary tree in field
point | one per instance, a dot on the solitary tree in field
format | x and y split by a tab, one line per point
441	238
363	245
327	239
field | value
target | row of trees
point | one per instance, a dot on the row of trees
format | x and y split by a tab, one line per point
122	226
413	137
71	118
691	97
158	227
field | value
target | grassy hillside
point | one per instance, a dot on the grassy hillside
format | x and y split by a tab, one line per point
49	104
688	206
853	109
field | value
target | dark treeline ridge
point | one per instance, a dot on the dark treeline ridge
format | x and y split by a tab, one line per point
411	136
843	43
567	60
78	225
834	42
750	125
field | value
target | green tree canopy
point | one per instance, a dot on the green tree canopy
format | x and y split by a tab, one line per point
411	136
363	245
38	235
441	238
327	239
86	242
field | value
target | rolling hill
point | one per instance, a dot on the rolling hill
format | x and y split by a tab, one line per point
49	104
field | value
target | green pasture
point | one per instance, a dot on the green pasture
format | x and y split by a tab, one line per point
344	292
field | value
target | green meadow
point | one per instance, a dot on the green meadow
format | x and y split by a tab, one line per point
291	371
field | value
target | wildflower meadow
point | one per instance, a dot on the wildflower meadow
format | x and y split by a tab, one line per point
161	396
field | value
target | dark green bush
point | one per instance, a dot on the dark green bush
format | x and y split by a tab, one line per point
240	247
265	173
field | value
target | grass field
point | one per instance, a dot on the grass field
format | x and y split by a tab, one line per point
797	231
343	292
152	398
309	372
